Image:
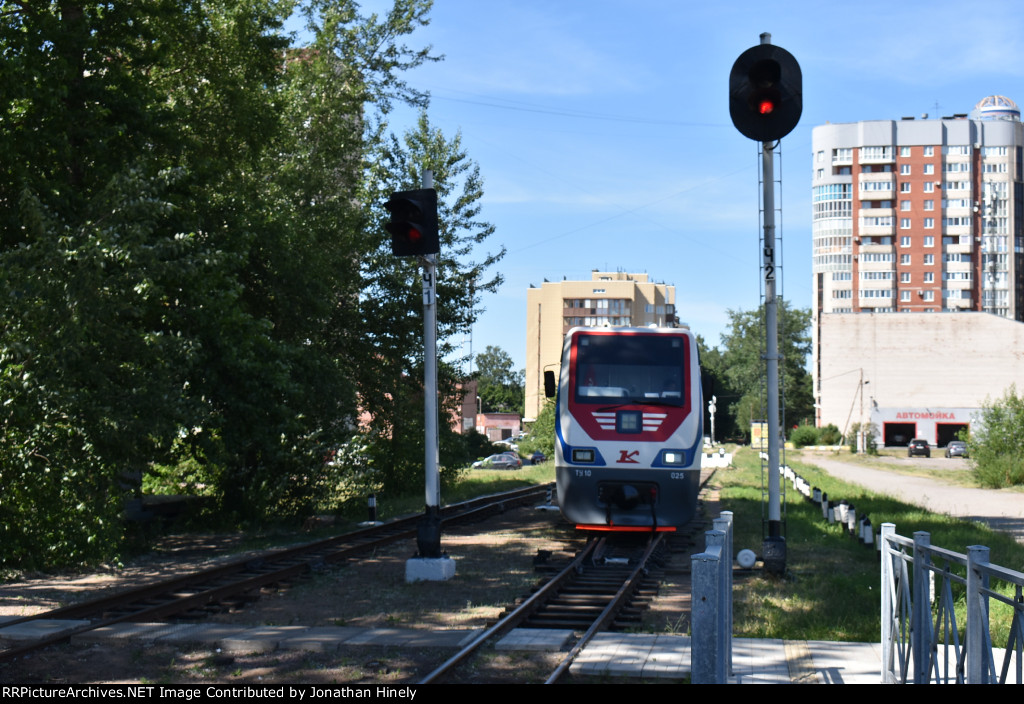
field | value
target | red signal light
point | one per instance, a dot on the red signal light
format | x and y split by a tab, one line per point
766	107
414	235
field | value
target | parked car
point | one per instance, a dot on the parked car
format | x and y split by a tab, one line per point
504	460
956	448
537	457
919	446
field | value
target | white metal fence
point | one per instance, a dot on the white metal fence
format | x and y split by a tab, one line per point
937	614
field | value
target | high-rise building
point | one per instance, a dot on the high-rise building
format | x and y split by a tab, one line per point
610	298
921	215
914	216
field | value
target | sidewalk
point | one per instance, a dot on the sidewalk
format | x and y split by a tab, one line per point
1001	510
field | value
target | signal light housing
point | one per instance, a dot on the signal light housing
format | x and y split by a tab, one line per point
765	93
413	224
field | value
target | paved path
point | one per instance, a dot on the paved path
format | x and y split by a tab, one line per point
1002	510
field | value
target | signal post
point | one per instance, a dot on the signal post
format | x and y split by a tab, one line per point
765	103
414	233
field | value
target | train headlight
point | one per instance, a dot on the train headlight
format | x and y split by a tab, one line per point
582	455
673	457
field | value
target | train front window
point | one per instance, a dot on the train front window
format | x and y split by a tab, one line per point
631	368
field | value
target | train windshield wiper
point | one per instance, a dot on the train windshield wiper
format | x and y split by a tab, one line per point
675	403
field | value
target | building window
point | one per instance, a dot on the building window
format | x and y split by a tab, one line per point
929	241
904	223
904	151
842	156
929	277
929	205
929	151
905	241
905	259
904	187
905	277
929	223
905	205
929	295
905	296
904	169
929	169
875	153
929	259
929	187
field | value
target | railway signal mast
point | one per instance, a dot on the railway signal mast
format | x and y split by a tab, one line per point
765	102
414	233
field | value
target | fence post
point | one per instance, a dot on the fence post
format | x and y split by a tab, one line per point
724	523
979	651
707	664
888	604
921	608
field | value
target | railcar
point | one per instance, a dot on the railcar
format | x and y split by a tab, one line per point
629	428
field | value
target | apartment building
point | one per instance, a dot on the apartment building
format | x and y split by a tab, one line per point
609	298
918	216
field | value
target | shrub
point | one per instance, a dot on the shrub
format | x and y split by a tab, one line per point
829	435
996	446
804	435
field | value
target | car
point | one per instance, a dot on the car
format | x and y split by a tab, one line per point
537	457
501	461
919	446
956	448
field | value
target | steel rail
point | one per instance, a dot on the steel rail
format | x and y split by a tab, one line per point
613	607
517	615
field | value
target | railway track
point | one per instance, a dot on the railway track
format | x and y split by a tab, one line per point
199	594
605	587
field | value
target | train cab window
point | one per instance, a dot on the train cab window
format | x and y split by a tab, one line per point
630	368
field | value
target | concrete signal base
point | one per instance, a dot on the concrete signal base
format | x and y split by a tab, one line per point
429	569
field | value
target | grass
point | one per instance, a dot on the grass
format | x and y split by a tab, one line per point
831	588
471	483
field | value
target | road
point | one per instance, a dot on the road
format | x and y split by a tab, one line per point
1002	510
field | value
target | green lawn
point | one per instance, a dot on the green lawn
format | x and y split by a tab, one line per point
831	588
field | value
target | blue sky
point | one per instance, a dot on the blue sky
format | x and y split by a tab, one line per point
602	129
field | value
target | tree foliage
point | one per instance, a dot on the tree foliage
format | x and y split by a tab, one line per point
189	235
738	369
391	306
499	385
542	434
996	443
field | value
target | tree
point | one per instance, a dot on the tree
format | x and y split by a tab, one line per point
499	386
181	238
119	152
743	368
542	434
996	443
391	302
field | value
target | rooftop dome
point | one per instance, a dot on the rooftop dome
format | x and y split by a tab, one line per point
997	107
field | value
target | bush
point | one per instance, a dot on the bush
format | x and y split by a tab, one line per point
870	446
829	435
996	446
804	435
